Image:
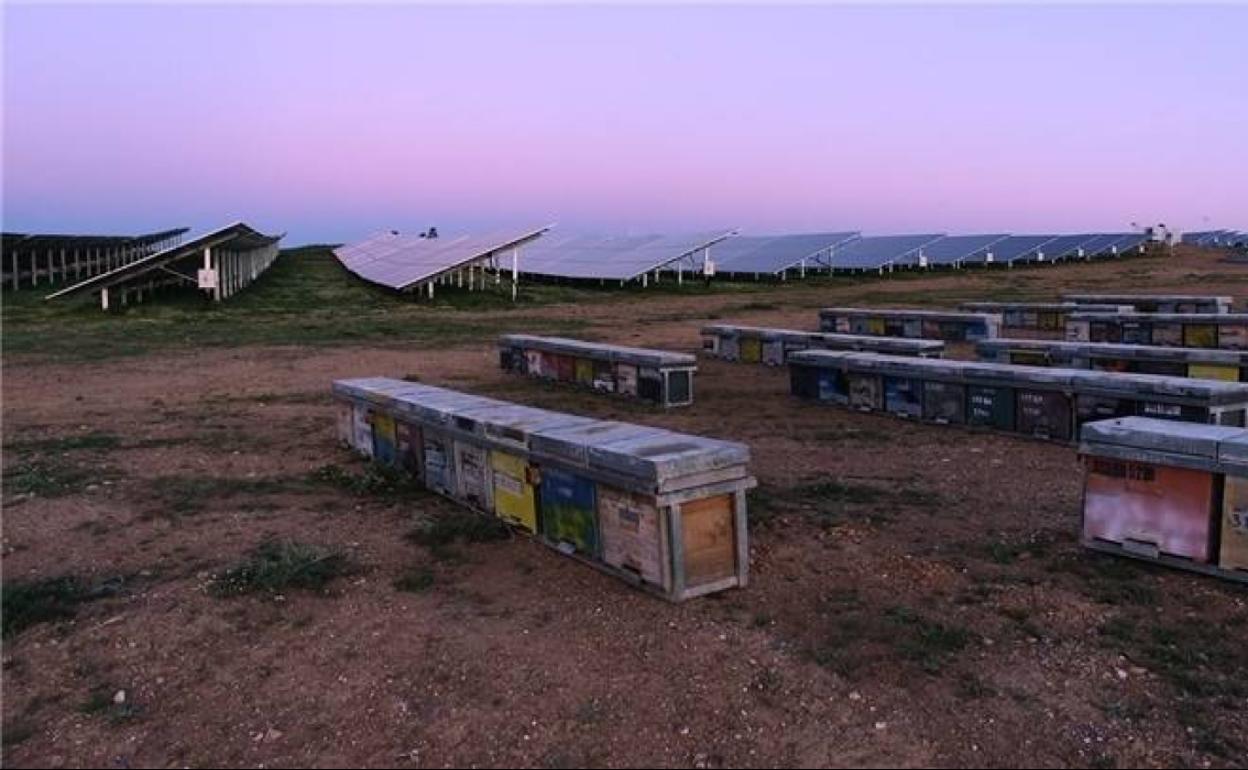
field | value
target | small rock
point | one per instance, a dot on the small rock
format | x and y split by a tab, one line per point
881	725
119	697
855	696
1121	674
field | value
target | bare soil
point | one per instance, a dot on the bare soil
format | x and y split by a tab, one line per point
917	595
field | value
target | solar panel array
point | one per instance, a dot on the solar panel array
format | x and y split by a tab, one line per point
613	258
956	249
881	251
401	261
1063	247
1102	244
773	254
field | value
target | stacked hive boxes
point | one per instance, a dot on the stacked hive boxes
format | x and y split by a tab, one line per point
1199	363
658	376
665	511
754	344
925	324
1171	492
1036	319
1048	403
1188	330
1157	303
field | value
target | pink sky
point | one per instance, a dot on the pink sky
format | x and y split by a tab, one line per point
331	123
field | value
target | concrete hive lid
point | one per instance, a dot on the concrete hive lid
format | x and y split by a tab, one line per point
1233	453
659	458
825	357
1186	439
572	443
519	423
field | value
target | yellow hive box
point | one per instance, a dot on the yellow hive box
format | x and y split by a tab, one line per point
1214	372
514	498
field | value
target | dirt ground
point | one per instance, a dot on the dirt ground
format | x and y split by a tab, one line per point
917	595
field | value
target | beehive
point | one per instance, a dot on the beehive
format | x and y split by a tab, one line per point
1197	363
659	376
945	325
1168	492
775	345
665	511
1047	403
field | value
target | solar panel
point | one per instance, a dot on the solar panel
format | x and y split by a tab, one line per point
612	257
953	249
1211	238
1131	242
1063	247
400	261
1101	243
1012	249
773	254
1196	236
881	251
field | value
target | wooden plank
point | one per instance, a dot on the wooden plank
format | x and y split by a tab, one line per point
708	539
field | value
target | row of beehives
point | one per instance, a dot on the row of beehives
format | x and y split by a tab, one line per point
1228	331
756	344
945	325
657	376
1213	330
665	511
1048	403
1170	492
1197	363
1040	319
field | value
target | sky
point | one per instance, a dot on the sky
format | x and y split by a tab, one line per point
330	123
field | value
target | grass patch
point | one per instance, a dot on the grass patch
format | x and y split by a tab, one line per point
831	503
177	496
95	440
49	477
16	731
440	534
276	566
305	298
27	603
414	580
374	481
859	637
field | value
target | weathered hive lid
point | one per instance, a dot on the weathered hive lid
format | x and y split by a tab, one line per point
437	406
933	315
378	390
1190	439
660	460
1213	391
572	443
517	424
1233	454
825	357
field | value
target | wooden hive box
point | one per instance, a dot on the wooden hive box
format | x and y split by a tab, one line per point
1167	492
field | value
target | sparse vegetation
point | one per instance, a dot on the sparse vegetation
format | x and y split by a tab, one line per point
175	496
373	481
25	603
282	565
440	534
414	580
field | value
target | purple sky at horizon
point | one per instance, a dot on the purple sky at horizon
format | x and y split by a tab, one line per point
331	123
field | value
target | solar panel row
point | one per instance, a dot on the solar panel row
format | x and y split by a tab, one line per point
620	258
775	254
400	261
